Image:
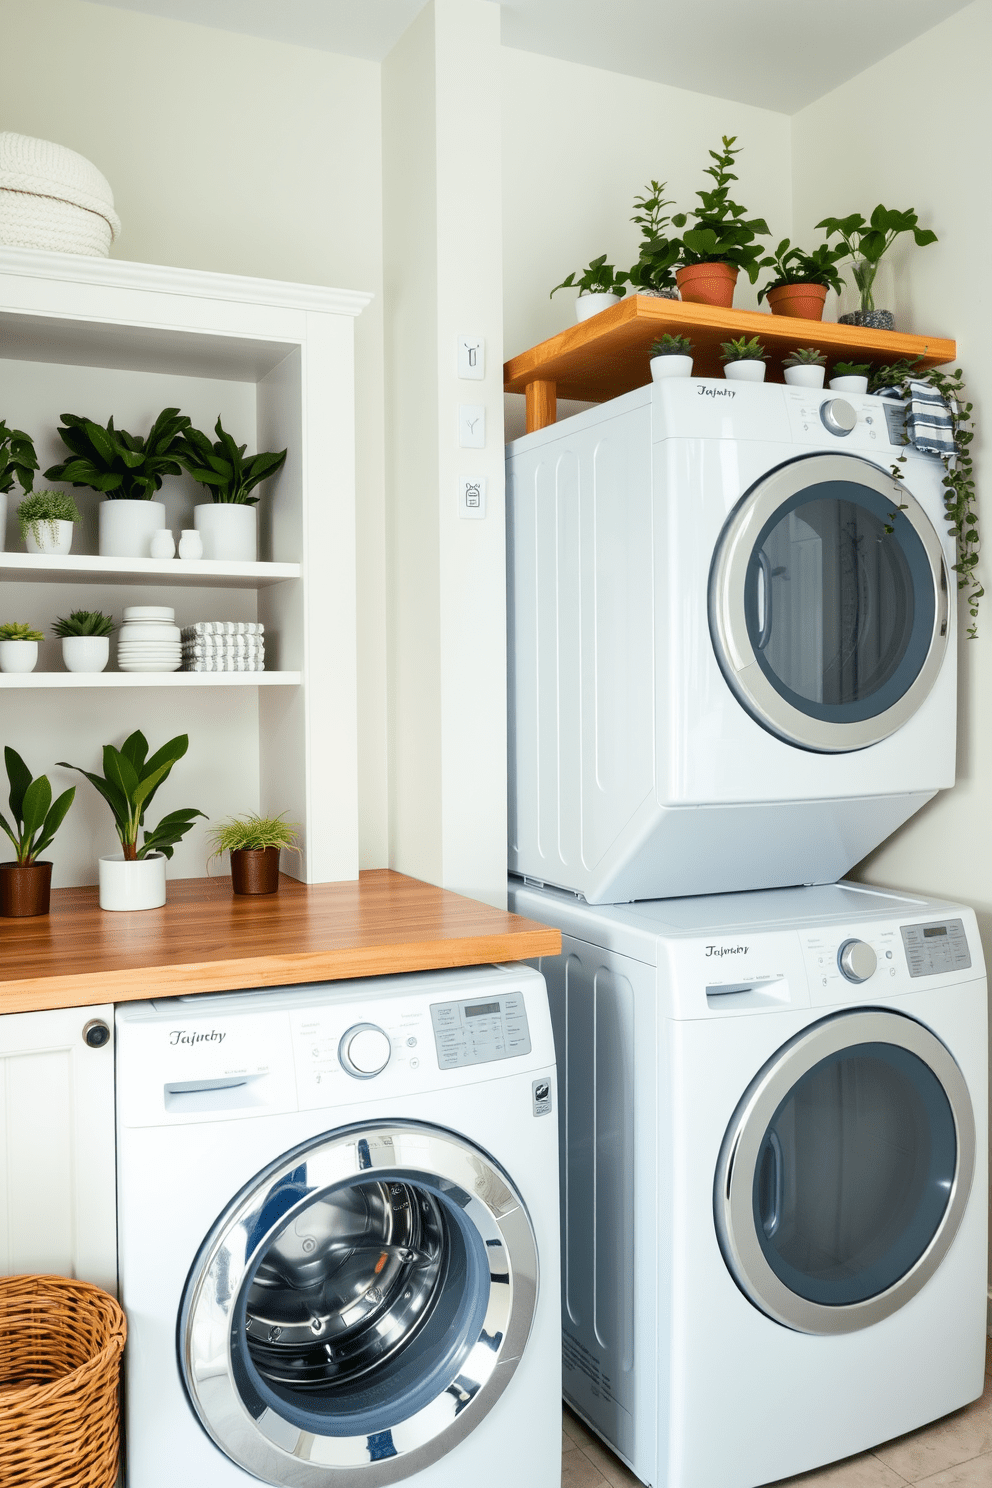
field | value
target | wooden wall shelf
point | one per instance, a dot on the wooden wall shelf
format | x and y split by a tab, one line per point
609	354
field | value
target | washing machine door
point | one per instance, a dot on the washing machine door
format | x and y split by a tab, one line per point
828	603
845	1172
359	1307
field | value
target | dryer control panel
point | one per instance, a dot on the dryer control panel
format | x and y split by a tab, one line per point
851	420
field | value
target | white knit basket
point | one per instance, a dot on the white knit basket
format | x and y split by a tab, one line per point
52	198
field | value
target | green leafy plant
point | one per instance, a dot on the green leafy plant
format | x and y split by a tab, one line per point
805	356
672	346
722	232
84	623
742	350
960	507
125	467
17	630
128	785
866	242
851	369
35	816
599	278
18	459
655	266
796	266
222	466
46	507
253	833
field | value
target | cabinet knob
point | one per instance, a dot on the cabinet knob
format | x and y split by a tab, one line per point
856	960
838	416
96	1033
364	1051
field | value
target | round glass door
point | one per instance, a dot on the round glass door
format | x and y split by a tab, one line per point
829	603
845	1172
358	1309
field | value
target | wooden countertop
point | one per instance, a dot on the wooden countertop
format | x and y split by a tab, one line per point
206	939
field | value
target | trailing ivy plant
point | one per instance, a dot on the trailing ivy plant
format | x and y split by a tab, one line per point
722	233
18	460
125	467
959	476
222	466
796	266
45	507
655	266
599	278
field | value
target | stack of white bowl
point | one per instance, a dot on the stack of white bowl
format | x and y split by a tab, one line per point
149	640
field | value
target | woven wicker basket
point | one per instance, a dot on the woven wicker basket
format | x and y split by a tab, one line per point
60	1357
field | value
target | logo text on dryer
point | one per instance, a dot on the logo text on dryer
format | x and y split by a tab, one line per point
185	1036
738	950
705	392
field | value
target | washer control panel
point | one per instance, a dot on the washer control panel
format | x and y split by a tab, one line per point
480	1029
857	960
941	946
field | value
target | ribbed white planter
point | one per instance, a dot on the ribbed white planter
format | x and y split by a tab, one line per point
127	527
591	304
670	366
747	370
137	885
85	653
18	656
49	537
229	531
806	376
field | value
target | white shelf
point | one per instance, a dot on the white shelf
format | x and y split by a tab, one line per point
149	679
143	571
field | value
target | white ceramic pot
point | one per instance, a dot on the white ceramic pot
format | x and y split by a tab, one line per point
53	537
18	656
229	531
127	527
804	376
748	370
162	545
190	544
591	304
670	366
85	653
848	384
137	885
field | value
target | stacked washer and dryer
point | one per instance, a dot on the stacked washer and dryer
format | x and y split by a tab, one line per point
732	675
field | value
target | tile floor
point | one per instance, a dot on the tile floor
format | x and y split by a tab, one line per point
955	1452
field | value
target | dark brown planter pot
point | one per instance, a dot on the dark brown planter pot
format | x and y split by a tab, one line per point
255	870
25	891
804	301
707	284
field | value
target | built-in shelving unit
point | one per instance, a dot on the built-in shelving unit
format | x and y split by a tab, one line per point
35	567
36	681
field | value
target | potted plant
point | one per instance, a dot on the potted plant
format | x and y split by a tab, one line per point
227	525
721	242
19	462
254	843
800	280
850	377
128	469
26	884
46	520
85	640
19	647
134	878
743	359
805	367
600	285
671	357
654	271
865	243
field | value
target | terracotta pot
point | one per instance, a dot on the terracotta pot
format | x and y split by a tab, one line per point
25	891
805	301
255	870
707	284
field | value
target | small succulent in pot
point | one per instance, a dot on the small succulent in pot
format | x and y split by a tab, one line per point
84	623
744	359
19	646
46	520
254	843
671	357
25	884
672	346
85	639
805	367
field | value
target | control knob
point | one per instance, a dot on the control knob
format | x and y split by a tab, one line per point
364	1050
838	416
857	961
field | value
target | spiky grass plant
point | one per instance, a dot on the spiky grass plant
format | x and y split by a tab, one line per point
805	356
253	833
84	623
672	346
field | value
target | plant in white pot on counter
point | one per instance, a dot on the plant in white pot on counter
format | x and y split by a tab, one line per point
26	884
129	469
85	639
805	367
134	878
671	357
743	359
600	286
227	525
46	520
850	377
19	462
19	646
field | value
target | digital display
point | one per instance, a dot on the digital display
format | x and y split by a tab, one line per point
482	1009
928	934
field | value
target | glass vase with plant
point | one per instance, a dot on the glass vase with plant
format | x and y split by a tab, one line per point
25	884
722	236
254	843
46	520
866	243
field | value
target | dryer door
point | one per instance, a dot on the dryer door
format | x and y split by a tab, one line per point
829	605
845	1172
359	1307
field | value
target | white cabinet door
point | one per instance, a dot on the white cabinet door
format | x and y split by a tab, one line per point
57	1146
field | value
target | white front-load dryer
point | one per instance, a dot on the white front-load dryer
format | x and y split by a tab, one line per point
731	639
338	1226
774	1173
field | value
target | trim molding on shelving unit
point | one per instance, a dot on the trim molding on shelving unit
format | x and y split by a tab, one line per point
204	572
148	679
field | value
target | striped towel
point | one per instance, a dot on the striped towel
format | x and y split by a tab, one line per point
929	419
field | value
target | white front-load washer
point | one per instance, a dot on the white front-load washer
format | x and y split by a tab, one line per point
774	1173
731	639
338	1226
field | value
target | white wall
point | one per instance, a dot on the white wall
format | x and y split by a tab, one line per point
245	156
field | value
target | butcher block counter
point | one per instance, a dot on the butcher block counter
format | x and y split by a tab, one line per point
207	939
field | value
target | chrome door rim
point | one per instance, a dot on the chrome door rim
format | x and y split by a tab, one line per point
733	1187
728	624
275	1449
